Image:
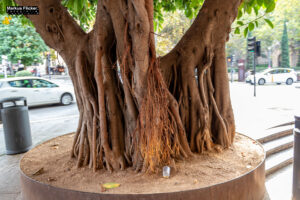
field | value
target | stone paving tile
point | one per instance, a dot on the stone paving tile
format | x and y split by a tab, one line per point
9	177
9	169
279	185
8	196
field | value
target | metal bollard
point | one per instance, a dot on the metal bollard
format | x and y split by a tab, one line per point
296	166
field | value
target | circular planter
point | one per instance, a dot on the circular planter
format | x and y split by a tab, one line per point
250	185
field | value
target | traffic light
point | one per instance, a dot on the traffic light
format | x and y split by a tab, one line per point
229	59
254	46
251	44
257	48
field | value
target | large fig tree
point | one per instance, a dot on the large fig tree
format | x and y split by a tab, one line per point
136	109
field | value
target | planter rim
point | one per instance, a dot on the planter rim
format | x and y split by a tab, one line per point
132	195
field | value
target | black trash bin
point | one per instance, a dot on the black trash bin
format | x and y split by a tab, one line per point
15	119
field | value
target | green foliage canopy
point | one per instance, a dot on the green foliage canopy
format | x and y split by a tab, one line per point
20	42
84	11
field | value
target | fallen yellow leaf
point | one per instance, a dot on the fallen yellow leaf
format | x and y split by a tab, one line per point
110	185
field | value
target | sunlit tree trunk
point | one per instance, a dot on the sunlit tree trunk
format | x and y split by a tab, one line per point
153	111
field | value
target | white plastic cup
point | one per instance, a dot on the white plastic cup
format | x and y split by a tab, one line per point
166	171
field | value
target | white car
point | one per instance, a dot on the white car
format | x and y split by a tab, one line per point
38	91
275	75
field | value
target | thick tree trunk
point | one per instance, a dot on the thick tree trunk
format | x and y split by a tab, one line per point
135	109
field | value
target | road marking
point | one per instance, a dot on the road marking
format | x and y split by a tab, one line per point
50	119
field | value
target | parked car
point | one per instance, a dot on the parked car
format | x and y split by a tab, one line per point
38	91
275	75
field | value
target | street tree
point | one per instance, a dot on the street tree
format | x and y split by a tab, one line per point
137	109
19	42
285	56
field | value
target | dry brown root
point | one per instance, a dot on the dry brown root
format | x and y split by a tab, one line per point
160	134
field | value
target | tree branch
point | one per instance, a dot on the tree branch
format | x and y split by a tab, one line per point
56	26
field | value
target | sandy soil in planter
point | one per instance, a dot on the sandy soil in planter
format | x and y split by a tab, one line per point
50	163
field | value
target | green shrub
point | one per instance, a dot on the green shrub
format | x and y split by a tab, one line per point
8	76
23	73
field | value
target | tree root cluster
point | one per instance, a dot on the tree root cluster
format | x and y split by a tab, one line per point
130	116
137	110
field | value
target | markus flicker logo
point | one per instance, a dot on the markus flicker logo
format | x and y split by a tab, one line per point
22	10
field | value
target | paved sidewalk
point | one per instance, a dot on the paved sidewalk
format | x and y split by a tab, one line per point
9	164
9	178
273	105
279	185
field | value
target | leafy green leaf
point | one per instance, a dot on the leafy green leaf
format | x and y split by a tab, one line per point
240	23
267	2
260	2
194	3
240	14
246	32
251	26
70	3
269	23
271	7
75	6
188	13
256	24
256	10
237	30
80	5
249	9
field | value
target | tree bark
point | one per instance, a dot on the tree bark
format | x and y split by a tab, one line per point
137	110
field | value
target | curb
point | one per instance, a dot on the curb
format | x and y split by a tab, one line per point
275	136
280	148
